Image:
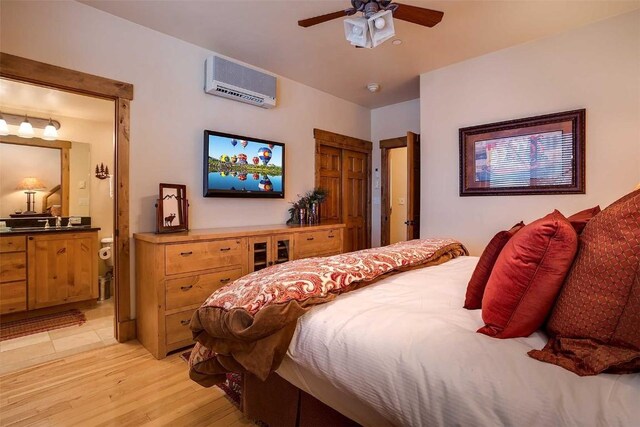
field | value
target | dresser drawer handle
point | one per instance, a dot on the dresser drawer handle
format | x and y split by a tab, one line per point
224	249
309	238
186	288
185	322
331	236
186	253
225	280
61	251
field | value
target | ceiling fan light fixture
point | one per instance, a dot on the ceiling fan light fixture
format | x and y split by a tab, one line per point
381	27
356	31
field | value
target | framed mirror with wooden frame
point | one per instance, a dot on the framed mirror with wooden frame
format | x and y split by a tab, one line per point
172	209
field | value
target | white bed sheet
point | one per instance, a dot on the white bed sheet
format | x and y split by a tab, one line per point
404	352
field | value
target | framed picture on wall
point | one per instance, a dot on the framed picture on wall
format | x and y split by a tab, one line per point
534	155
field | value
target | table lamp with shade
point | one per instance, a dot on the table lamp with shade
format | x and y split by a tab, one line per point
30	184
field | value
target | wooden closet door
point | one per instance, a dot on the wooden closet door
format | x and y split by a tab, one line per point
329	173
355	197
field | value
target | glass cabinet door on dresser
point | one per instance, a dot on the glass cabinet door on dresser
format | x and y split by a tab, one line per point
269	250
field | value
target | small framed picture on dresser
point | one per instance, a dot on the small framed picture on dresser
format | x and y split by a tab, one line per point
534	155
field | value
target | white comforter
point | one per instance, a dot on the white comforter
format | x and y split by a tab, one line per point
404	352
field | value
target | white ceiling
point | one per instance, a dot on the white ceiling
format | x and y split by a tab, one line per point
265	33
37	101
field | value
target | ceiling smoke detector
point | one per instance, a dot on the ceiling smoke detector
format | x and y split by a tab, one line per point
373	87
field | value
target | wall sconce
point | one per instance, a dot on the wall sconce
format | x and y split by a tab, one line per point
27	124
30	184
102	172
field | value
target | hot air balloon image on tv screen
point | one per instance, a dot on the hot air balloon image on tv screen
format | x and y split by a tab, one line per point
230	159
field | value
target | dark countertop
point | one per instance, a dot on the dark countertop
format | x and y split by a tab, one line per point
40	230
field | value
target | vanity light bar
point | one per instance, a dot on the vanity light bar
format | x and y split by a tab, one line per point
36	122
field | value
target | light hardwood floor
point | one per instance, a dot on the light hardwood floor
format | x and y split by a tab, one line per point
120	385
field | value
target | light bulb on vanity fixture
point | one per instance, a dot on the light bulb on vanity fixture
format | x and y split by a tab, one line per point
50	132
4	129
25	130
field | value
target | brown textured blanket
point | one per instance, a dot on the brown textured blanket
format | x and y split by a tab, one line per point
248	324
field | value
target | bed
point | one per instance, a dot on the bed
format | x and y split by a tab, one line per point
404	352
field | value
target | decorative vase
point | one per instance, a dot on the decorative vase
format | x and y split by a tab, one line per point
314	213
302	214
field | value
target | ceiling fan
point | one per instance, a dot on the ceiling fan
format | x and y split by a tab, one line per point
376	25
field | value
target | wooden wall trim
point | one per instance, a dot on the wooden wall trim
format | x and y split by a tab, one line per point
393	142
122	252
27	70
342	141
385	230
35	142
66	181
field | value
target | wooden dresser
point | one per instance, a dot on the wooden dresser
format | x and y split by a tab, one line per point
175	273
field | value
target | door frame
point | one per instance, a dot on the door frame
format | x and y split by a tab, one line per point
385	181
38	73
336	140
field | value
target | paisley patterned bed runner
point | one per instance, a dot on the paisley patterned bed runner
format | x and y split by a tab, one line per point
248	324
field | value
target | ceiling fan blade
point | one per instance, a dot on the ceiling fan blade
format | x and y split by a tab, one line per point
418	15
322	18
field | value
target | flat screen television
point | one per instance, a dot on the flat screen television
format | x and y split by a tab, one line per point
240	166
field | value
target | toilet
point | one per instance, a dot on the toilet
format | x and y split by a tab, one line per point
106	255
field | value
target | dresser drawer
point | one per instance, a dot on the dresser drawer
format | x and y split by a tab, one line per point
314	243
13	297
13	266
13	244
190	257
177	327
191	290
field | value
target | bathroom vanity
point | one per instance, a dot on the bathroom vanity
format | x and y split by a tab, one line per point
42	268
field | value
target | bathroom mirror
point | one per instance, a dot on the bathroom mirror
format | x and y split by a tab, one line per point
172	209
34	177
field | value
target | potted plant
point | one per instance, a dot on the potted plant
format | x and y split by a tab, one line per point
307	208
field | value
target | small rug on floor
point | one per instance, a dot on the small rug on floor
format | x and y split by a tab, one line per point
232	386
34	325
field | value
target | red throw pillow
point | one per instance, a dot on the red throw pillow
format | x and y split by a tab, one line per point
527	277
480	276
595	324
579	220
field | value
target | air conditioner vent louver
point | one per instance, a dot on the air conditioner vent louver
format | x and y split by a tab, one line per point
235	81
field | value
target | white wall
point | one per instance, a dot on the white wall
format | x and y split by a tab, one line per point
388	122
170	110
595	67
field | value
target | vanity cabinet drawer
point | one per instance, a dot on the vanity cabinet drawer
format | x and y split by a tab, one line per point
191	290
190	257
315	243
13	297
13	244
177	327
13	266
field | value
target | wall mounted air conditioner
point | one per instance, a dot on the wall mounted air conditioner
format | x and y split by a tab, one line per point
235	81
